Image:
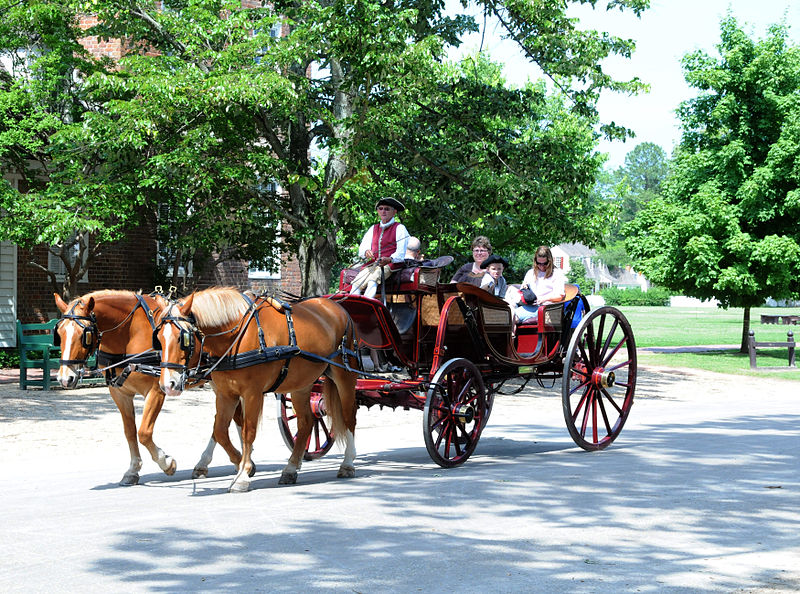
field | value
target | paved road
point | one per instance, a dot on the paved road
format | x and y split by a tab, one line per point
701	492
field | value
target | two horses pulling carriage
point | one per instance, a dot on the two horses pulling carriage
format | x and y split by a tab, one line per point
455	346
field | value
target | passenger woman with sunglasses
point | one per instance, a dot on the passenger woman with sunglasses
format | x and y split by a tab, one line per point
545	280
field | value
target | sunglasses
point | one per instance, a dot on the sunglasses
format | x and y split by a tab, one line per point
540	263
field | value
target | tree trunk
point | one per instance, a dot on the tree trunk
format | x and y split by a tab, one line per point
317	258
745	330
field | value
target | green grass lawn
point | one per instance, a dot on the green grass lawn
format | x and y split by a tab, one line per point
686	326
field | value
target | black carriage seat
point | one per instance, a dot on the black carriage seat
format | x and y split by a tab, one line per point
415	278
421	276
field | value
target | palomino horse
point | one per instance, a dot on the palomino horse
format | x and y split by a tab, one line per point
120	325
255	347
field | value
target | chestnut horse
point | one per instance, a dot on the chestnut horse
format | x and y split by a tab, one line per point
256	347
119	324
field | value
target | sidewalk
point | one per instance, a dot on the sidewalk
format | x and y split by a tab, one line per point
690	349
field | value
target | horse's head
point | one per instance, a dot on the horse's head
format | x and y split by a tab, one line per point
77	335
175	336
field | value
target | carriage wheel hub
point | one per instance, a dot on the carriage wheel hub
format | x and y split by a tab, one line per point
464	413
318	405
603	378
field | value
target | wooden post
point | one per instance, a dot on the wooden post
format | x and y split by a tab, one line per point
751	347
790	340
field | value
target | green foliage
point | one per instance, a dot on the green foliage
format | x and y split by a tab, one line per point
210	111
655	296
577	276
726	226
9	358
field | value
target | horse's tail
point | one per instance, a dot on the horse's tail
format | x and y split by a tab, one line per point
341	408
333	407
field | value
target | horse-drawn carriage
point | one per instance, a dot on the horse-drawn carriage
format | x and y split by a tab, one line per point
455	347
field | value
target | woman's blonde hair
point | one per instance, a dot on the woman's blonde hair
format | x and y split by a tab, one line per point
544	252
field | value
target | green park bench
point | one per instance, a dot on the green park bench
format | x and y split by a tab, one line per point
37	351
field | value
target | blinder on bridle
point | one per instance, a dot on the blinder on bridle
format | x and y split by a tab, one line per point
186	337
90	338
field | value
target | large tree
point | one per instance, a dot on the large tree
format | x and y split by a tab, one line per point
727	227
41	94
215	101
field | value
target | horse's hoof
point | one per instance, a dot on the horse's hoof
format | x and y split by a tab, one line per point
200	473
252	471
288	478
170	470
129	480
346	472
239	487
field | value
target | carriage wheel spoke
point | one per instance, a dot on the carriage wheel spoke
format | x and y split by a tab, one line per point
603	409
610	336
614	352
597	339
611	401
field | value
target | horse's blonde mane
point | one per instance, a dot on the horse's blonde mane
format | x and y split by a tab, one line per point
218	306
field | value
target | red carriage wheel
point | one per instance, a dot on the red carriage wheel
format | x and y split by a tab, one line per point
599	378
455	412
321	439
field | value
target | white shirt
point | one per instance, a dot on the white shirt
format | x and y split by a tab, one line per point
546	289
400	234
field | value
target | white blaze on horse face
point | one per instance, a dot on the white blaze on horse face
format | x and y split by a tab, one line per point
170	352
66	375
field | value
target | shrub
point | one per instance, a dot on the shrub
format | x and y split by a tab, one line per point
656	296
9	358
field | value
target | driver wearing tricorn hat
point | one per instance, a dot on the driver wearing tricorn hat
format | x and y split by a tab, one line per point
383	247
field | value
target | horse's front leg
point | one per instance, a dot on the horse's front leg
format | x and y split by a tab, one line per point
154	400
226	404
301	401
252	404
201	468
124	402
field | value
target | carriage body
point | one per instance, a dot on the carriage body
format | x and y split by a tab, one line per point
456	346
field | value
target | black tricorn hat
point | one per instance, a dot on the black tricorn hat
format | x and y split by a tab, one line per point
494	259
393	202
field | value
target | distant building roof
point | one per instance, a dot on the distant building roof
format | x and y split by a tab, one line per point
576	250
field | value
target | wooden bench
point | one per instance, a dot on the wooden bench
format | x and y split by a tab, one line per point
36	351
778	319
752	345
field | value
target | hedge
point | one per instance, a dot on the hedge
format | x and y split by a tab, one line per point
654	296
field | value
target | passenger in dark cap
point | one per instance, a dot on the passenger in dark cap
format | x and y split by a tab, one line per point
383	247
494	281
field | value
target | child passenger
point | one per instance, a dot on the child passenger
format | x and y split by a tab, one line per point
493	280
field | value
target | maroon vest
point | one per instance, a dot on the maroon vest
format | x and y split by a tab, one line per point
384	243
